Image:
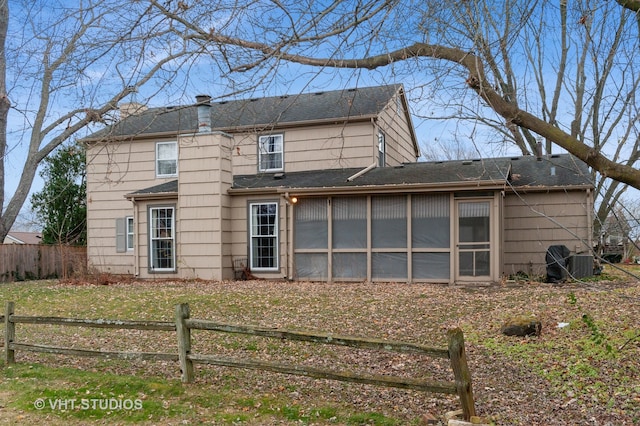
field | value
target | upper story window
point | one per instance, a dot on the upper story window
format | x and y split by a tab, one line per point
382	161
270	153
166	159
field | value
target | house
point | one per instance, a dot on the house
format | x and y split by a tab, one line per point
319	186
20	237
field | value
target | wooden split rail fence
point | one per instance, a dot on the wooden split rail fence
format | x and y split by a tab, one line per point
184	324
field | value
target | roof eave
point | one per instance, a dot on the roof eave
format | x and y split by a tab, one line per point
151	196
394	188
233	129
300	123
546	188
138	136
412	130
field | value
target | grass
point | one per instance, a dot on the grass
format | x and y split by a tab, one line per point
75	394
568	366
72	395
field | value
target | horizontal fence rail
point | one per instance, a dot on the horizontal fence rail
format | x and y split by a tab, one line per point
96	323
184	324
326	338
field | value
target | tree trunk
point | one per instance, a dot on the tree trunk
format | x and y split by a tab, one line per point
4	103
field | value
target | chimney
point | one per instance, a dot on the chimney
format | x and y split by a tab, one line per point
204	115
131	108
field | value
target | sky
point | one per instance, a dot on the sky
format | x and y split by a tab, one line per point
435	99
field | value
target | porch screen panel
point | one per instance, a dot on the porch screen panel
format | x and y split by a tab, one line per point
431	266
349	222
474	222
311	227
389	222
312	266
389	266
430	221
349	266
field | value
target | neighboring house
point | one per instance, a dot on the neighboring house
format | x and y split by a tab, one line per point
615	244
18	237
322	186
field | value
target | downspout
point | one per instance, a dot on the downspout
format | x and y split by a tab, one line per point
363	171
136	246
286	239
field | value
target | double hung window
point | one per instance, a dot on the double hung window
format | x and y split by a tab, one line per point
270	153
162	239
130	234
166	159
264	236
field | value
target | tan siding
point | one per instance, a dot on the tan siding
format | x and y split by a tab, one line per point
396	127
538	220
312	148
114	170
211	227
239	238
205	174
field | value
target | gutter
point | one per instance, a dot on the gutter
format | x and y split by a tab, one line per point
151	196
404	187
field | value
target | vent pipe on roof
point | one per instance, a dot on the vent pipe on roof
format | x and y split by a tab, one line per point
204	115
539	150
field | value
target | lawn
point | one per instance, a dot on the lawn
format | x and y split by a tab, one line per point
587	372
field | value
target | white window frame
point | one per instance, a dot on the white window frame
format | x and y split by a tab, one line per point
255	236
130	235
382	149
275	150
158	159
168	238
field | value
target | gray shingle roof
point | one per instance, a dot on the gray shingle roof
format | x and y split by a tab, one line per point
557	171
440	172
170	187
258	113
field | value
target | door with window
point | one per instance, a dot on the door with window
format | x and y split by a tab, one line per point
474	242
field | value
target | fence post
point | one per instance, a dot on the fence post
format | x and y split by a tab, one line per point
9	334
184	342
461	372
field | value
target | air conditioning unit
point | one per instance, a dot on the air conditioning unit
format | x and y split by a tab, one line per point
581	265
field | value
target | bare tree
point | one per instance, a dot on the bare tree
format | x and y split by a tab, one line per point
522	60
63	70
